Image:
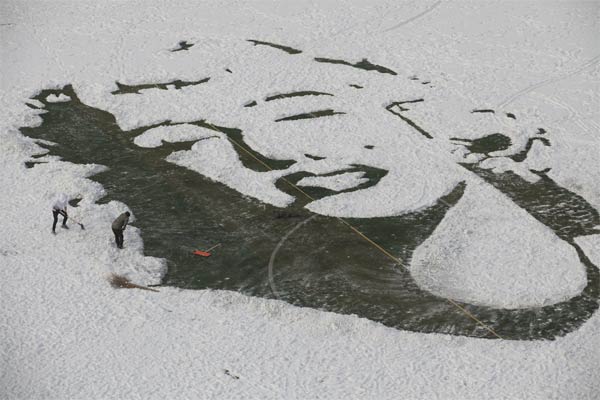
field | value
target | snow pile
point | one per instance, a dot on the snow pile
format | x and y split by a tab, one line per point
476	255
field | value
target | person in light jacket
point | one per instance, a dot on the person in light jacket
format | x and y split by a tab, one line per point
60	207
118	226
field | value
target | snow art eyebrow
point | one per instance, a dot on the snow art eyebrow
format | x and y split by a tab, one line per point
175	84
301	93
287	49
309	115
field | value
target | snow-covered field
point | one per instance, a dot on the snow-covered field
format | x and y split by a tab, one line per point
66	333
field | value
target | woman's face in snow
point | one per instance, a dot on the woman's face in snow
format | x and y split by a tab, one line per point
359	142
357	138
329	135
358	152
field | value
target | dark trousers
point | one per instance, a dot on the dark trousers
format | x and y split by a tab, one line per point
55	215
118	237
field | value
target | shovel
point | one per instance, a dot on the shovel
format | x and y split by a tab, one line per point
207	252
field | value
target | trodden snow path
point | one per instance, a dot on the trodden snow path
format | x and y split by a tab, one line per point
66	333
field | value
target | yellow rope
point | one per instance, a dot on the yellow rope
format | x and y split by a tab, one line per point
374	244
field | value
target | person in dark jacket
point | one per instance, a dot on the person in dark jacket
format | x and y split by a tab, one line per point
118	226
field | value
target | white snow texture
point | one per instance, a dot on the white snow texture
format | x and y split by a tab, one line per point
66	333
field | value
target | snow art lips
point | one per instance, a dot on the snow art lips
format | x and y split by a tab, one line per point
318	186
